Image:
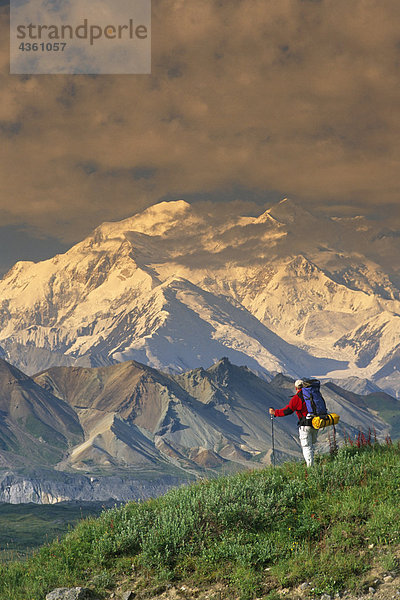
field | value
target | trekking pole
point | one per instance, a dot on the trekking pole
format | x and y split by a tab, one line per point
273	440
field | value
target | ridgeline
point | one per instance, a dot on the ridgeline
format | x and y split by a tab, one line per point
331	528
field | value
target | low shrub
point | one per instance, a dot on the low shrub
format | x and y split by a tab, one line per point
315	524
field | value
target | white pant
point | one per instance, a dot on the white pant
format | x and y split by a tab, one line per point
308	437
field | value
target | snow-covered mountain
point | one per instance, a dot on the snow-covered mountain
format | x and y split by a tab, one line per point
177	288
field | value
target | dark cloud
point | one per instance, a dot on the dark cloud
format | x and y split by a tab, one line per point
300	97
143	173
9	129
17	242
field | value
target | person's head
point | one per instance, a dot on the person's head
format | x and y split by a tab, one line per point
298	384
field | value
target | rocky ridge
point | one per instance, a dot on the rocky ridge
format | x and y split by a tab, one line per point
130	431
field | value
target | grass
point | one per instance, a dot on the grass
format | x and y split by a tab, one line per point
254	532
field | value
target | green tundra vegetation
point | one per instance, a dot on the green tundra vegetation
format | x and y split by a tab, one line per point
24	527
254	532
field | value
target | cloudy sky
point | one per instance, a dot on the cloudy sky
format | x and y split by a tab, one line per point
249	101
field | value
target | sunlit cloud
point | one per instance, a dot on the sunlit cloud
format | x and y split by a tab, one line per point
299	97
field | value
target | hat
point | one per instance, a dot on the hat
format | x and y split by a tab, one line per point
299	383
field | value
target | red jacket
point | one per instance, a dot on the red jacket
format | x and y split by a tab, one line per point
296	404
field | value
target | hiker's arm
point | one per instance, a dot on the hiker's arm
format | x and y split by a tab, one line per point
289	409
284	412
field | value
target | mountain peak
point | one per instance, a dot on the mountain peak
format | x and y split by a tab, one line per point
288	211
6	369
162	212
154	220
166	208
221	370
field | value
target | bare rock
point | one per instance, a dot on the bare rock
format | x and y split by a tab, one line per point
77	593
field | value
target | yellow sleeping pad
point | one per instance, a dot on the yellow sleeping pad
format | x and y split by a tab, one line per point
321	422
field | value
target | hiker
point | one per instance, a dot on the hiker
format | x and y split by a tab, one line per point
307	434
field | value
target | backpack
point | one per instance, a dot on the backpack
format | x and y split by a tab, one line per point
313	398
